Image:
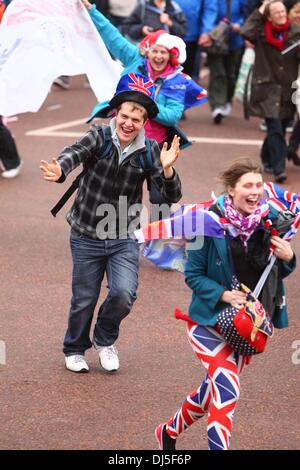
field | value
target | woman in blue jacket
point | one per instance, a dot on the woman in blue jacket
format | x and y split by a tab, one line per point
224	68
209	273
201	17
159	58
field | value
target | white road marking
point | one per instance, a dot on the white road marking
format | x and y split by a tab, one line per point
53	107
215	140
57	131
52	130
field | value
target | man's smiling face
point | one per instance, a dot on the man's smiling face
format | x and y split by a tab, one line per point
130	119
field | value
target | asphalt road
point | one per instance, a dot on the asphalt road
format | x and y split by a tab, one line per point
44	406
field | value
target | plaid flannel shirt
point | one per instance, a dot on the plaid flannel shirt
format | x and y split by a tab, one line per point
107	180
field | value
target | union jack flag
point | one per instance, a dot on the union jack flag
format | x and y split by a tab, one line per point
139	84
280	200
195	94
196	220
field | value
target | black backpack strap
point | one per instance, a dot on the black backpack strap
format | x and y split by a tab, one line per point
66	196
107	143
104	151
146	162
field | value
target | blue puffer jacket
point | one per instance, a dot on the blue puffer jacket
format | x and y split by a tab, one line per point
237	16
170	108
201	17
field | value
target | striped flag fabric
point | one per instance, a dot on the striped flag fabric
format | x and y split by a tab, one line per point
166	239
195	94
187	222
279	200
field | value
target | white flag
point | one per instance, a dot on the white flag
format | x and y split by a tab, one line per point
41	40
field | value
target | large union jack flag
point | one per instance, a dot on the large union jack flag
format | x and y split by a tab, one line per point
196	220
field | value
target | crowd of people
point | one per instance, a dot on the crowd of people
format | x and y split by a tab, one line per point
160	43
201	26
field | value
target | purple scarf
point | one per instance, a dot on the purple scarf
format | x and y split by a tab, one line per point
244	225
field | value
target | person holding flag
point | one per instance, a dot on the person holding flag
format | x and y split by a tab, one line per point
211	270
159	56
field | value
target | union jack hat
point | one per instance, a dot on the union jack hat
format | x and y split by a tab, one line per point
137	88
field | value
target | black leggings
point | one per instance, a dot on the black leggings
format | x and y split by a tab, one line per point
8	150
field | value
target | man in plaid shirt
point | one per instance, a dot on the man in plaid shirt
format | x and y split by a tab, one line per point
101	224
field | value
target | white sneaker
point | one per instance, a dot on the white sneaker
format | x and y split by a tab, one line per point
108	356
226	109
13	172
263	126
217	115
76	363
216	112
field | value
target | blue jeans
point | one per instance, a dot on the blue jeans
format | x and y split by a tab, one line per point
119	259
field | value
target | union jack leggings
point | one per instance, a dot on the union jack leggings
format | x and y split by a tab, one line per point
219	392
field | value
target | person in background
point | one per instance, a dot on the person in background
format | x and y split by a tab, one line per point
293	9
153	15
201	17
10	162
102	5
119	10
270	30
209	273
224	69
250	6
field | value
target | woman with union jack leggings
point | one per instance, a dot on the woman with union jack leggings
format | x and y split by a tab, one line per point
209	272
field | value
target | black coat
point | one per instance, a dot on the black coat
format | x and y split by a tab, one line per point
145	15
273	73
102	5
